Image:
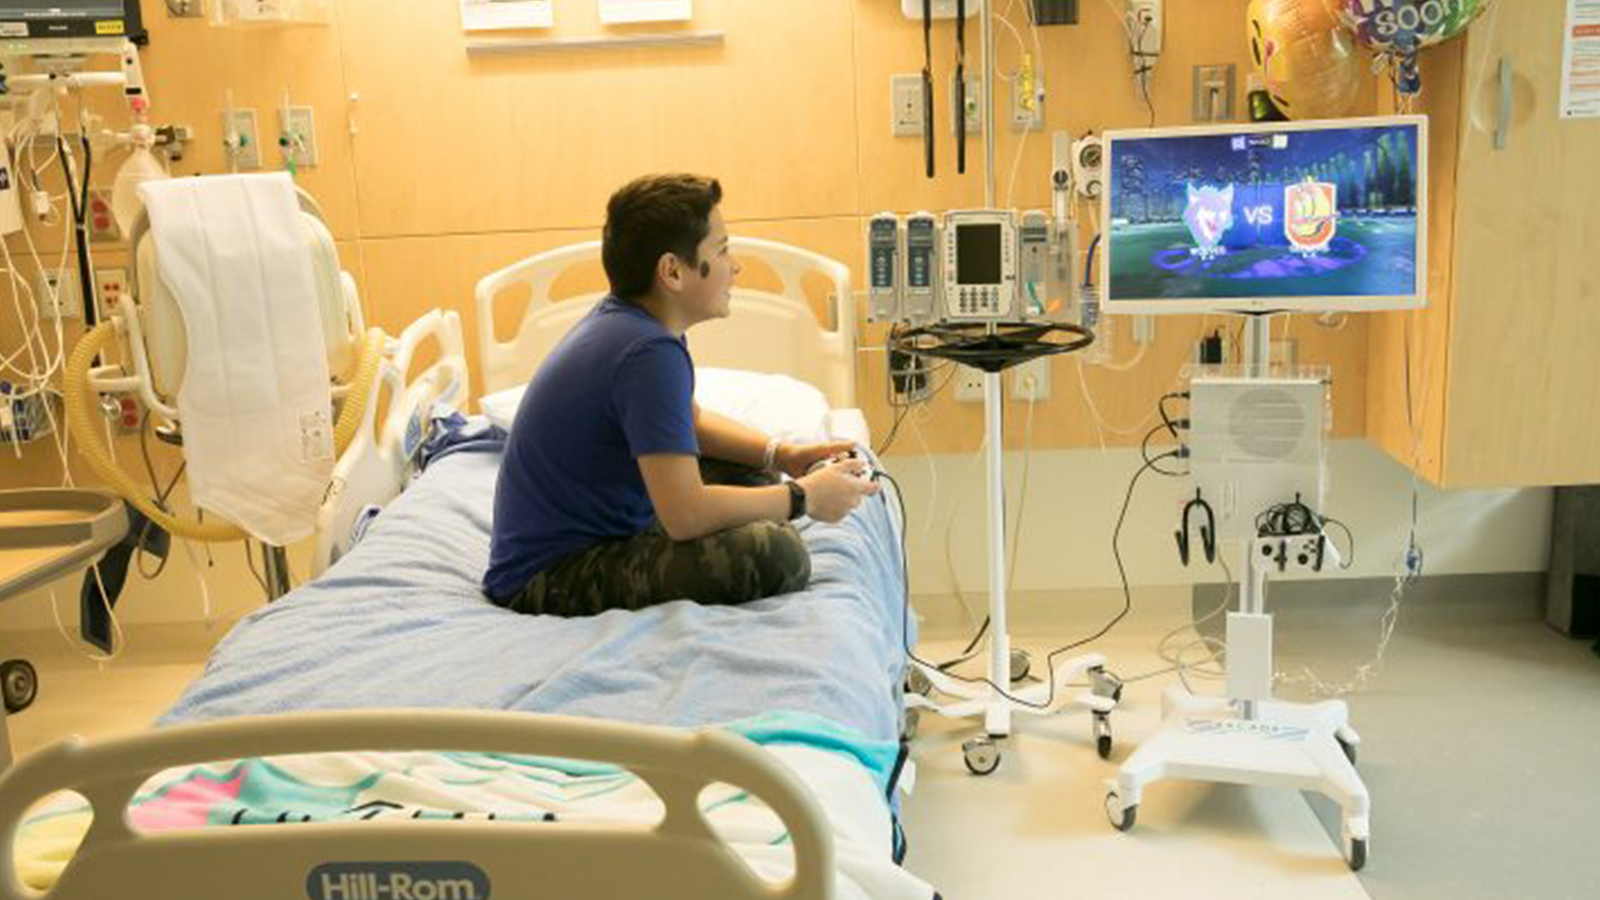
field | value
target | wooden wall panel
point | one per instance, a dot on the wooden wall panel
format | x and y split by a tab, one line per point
1523	366
1427	330
461	164
453	143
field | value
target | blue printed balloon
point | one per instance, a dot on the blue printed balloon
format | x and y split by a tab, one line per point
1399	29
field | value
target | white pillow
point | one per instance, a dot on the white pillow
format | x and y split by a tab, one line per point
772	404
501	406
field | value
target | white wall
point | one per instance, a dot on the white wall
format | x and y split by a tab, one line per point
1073	500
1073	497
176	596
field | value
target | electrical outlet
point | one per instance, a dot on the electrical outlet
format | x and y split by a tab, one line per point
969	385
297	131
1022	97
129	413
941	9
102	224
908	376
240	138
1031	380
1144	329
109	284
58	295
905	105
1145	27
1214	89
974	114
47	124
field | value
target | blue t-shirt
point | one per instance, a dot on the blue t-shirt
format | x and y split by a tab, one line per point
619	386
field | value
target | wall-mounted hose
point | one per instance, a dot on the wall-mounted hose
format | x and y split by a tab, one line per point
81	420
355	403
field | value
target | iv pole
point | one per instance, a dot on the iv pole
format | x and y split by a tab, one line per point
981	754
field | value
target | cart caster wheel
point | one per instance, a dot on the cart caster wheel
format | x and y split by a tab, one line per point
1102	735
1349	750
1021	664
908	732
982	755
918	682
1122	817
1105	684
1357	854
19	683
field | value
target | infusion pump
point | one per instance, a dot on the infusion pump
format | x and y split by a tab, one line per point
977	265
980	265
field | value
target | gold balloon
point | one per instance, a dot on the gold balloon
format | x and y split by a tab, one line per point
1306	58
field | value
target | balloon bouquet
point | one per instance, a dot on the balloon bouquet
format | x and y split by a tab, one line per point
1304	51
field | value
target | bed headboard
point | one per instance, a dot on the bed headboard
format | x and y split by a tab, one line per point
767	332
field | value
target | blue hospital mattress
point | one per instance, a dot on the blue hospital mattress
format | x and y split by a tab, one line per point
400	622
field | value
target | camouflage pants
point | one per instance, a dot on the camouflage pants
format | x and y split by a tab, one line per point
735	566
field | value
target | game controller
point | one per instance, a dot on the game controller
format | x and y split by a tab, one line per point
869	474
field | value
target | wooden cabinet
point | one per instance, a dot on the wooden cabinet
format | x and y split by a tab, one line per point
1505	363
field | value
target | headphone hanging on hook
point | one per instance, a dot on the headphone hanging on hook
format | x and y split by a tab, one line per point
1208	529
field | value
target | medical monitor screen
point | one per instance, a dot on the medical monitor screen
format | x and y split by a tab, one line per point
978	254
61	9
68	18
1305	216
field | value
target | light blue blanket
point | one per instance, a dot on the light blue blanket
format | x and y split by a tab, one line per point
400	622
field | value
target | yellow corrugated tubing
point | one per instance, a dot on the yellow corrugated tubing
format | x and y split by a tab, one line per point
82	422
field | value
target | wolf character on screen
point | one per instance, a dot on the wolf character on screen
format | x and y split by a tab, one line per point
1209	216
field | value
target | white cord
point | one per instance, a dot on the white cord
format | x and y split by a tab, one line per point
933	471
54	363
1141	71
1022	496
1130	365
1038	61
1176	659
119	640
1100	421
949	527
1366	672
199	574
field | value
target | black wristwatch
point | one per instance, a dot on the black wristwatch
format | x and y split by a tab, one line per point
797	500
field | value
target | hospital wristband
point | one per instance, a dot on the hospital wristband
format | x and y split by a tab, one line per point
769	459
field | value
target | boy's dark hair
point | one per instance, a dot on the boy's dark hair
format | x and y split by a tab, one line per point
651	216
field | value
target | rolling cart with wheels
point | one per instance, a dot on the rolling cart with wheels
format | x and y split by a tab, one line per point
46	534
992	348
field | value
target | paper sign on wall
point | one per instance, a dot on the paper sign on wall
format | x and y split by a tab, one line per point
486	15
624	12
1580	61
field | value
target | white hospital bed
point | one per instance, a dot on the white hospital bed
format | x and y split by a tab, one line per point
767	332
682	856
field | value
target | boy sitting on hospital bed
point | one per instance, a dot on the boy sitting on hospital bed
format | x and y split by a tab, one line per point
617	489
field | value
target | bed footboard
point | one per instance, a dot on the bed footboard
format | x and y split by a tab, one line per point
679	857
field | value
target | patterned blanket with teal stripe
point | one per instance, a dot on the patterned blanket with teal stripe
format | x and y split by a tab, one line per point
392	786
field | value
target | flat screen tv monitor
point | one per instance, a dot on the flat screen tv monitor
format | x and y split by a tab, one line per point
1326	216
